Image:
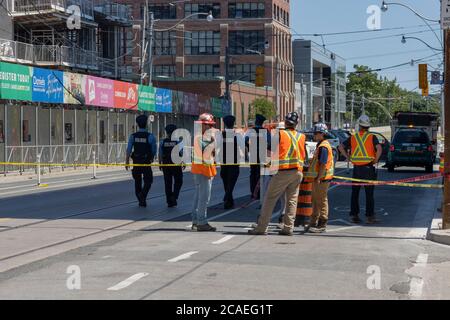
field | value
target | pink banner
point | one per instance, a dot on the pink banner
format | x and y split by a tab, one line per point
99	92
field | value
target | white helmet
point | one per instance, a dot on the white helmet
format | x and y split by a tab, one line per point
281	125
364	121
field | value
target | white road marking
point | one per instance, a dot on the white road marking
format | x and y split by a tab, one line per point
416	283
106	257
224	239
184	256
127	282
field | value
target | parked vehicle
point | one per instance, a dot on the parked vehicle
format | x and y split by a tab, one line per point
311	145
342	135
385	144
413	148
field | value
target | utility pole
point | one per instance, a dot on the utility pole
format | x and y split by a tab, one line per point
278	87
301	102
446	204
150	49
363	110
353	107
227	75
323	101
144	42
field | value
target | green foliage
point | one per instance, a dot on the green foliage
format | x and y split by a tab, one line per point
262	106
386	92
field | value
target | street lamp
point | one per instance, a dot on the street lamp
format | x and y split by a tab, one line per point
384	8
418	39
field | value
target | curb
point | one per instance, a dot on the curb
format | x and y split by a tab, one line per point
440	236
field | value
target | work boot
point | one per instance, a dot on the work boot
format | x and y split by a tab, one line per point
142	201
299	221
194	227
355	219
228	205
206	228
372	220
285	232
317	229
254	232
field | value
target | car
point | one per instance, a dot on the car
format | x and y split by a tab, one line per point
413	148
311	145
385	144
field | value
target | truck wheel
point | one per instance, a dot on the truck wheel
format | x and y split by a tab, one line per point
391	168
429	168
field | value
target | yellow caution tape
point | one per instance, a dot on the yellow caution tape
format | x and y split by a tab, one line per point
391	183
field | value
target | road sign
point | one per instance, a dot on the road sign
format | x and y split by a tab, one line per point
423	75
436	77
259	82
445	14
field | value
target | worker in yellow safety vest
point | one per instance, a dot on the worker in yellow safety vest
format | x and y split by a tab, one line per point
203	171
365	152
321	171
288	164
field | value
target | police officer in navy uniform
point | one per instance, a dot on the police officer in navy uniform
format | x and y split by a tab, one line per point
173	175
229	172
142	149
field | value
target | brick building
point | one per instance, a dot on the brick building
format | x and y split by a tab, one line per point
191	57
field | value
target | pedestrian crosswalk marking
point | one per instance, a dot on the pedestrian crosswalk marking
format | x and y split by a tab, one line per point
224	239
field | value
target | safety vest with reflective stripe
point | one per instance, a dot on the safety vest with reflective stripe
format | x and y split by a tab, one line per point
291	150
441	165
313	171
362	148
203	161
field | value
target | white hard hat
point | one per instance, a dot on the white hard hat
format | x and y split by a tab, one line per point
364	121
281	125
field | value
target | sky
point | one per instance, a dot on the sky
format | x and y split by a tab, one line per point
331	16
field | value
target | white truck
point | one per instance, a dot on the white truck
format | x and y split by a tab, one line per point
427	121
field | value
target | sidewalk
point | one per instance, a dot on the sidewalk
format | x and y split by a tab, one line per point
435	233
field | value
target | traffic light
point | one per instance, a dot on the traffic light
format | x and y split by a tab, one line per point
423	76
260	76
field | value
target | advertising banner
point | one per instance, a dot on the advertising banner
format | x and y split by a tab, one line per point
75	84
125	95
146	98
163	100
216	106
15	81
47	86
190	104
99	92
204	104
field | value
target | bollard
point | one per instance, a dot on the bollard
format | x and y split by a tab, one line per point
94	171
38	158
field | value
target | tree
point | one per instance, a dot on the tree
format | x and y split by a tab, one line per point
262	106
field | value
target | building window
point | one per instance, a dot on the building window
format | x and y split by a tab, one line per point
246	42
190	9
202	71
246	10
165	70
164	43
243	72
163	11
202	43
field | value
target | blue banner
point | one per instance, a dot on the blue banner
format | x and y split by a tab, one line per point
163	100
47	86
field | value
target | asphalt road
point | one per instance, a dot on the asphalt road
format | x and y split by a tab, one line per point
85	239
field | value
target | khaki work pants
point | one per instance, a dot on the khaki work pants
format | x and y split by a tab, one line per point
284	181
320	202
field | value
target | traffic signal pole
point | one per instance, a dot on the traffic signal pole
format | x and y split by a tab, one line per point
446	204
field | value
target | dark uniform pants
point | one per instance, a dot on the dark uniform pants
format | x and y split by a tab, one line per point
142	174
229	175
173	181
366	173
255	174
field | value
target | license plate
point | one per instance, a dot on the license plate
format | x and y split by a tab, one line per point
411	149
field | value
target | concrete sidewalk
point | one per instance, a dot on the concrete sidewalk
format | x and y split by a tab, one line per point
436	233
